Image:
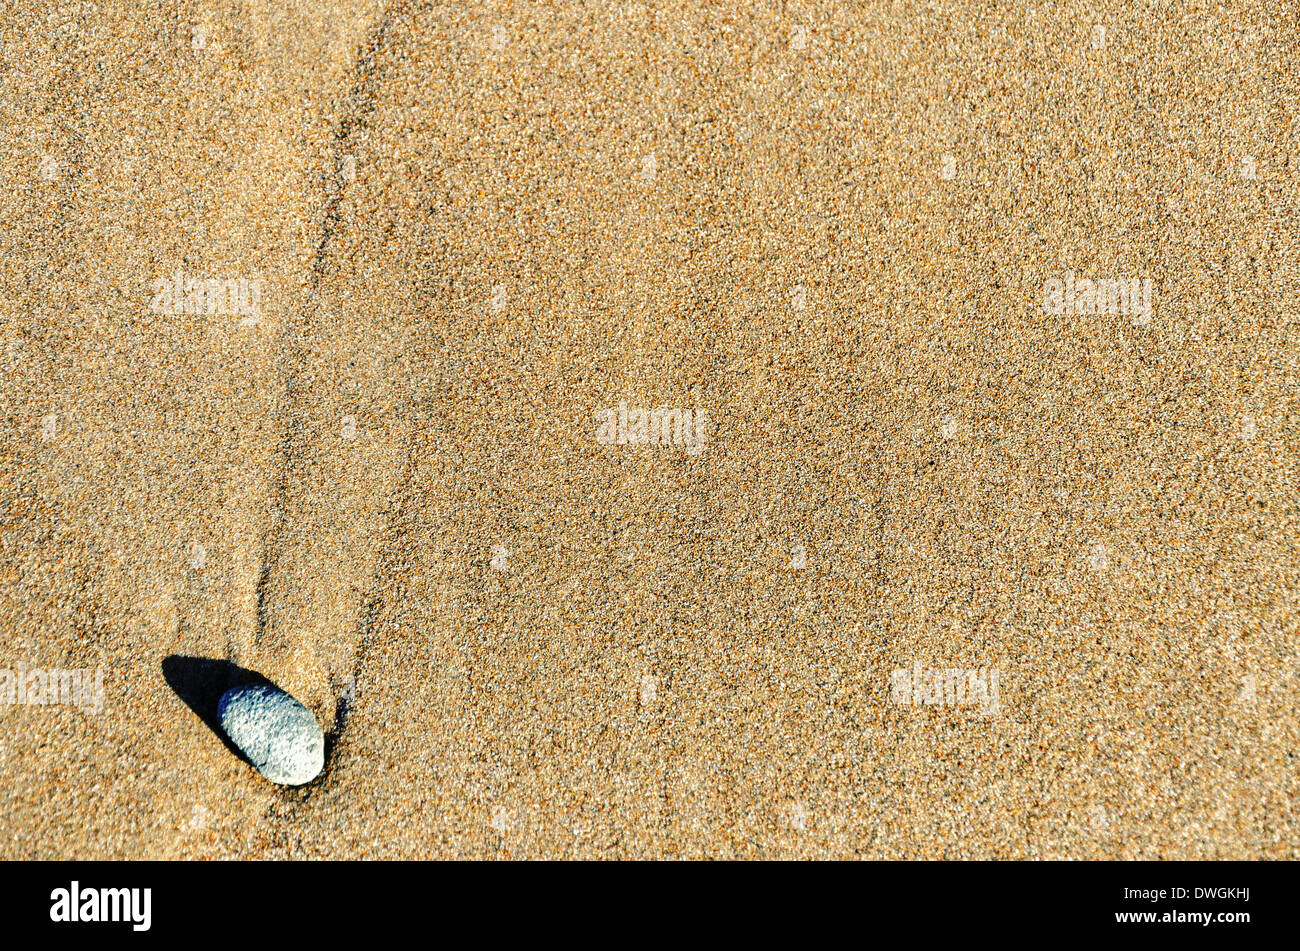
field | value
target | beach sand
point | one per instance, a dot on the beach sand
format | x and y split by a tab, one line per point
831	229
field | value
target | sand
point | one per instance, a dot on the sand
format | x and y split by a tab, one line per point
830	228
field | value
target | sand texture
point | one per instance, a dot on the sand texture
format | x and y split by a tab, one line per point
452	235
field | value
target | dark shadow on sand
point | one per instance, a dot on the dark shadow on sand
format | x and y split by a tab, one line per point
200	682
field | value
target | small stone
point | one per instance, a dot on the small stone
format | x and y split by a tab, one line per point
277	733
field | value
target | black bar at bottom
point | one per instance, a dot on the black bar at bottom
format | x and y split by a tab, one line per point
1178	901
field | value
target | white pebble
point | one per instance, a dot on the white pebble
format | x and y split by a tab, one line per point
277	733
